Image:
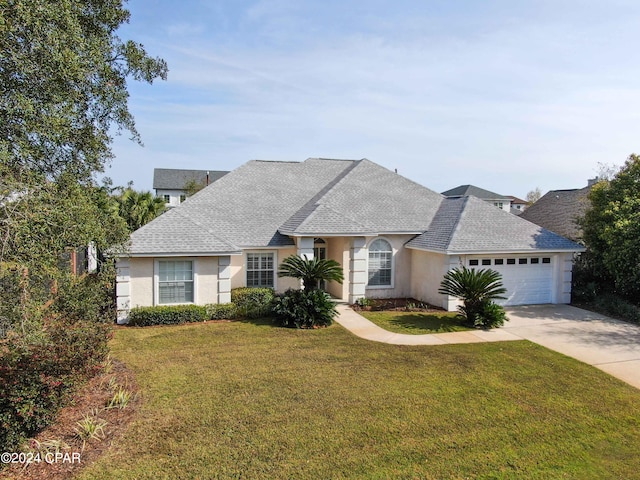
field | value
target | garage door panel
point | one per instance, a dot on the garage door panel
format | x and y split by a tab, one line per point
530	283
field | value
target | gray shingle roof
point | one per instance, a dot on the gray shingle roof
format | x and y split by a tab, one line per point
467	190
558	210
481	227
174	233
176	179
263	203
367	199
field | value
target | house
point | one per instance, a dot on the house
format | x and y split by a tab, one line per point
392	236
517	205
172	184
495	199
559	210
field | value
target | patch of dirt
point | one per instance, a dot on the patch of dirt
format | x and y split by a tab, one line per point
396	305
91	398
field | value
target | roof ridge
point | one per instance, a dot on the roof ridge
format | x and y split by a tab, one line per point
293	223
273	161
456	226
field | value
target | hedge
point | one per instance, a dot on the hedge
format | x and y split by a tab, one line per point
253	302
222	311
166	315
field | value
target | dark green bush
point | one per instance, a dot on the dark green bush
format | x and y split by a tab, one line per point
222	311
87	297
617	307
253	302
491	315
304	309
167	315
37	378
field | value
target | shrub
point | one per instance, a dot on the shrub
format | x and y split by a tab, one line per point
252	302
617	307
491	315
311	272
220	311
304	309
36	378
166	315
86	297
477	289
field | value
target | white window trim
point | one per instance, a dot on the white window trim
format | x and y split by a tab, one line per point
275	266
156	279
393	266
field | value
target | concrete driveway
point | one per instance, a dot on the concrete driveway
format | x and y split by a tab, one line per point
610	345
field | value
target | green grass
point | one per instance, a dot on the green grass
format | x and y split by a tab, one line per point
417	323
248	400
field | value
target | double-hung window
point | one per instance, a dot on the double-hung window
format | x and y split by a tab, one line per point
260	270
175	281
380	263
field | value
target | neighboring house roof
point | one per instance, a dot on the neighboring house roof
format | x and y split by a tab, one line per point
517	201
262	203
176	179
471	190
558	211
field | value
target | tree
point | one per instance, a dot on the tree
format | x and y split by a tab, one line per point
139	208
477	289
192	187
606	171
533	196
63	85
611	231
63	92
311	272
63	89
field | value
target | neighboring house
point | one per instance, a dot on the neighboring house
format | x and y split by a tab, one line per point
170	183
495	199
558	211
393	238
518	205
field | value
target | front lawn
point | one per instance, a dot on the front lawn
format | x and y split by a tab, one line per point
249	400
417	323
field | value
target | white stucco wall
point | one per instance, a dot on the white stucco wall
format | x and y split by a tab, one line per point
427	271
141	282
206	280
401	268
174	196
338	250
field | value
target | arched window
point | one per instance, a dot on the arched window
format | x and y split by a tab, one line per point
380	267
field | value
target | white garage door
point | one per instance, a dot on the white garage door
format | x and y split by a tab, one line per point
528	280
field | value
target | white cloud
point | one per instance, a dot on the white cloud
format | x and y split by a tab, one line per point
513	103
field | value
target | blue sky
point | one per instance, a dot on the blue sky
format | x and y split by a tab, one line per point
505	95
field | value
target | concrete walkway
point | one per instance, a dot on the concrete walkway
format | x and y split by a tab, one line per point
610	345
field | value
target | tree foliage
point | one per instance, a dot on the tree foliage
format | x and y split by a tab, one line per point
63	93
139	208
63	90
192	187
311	272
533	195
611	231
63	85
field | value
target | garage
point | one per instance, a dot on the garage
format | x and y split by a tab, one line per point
528	279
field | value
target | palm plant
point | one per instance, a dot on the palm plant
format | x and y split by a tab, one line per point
477	289
139	208
311	272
